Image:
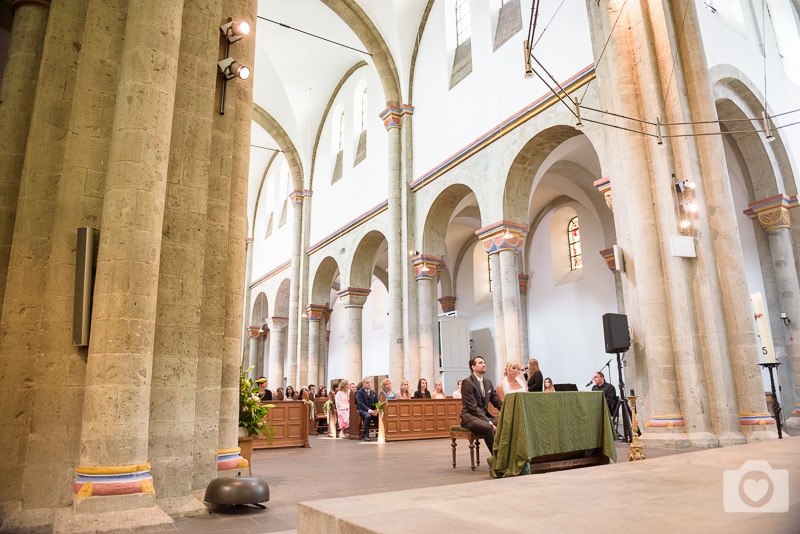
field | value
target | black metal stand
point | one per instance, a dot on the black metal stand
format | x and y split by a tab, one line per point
776	405
622	405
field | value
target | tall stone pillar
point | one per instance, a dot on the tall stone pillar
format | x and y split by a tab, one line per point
17	92
523	317
114	437
353	299
392	118
324	343
426	272
773	214
504	240
254	333
293	358
277	350
315	313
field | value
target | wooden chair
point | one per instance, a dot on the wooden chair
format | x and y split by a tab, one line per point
459	432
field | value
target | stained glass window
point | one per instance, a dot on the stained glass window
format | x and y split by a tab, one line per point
574	240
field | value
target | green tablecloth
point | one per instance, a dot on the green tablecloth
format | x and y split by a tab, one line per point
538	424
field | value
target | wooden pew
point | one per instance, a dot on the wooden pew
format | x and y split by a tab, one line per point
419	418
290	420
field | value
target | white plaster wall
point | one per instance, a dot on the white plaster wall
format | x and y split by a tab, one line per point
446	120
565	326
273	195
361	187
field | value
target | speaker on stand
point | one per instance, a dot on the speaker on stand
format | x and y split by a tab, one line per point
618	340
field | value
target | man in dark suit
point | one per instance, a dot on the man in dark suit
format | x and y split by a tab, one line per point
366	399
476	394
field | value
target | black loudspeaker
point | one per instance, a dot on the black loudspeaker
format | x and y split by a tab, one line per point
615	328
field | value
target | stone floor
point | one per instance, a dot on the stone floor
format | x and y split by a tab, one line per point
418	470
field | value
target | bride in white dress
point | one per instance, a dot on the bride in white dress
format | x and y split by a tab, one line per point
512	381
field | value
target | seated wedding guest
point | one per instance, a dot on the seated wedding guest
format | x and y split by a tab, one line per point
354	387
279	394
312	391
422	390
323	392
457	392
290	394
438	392
477	394
304	394
263	392
405	391
366	399
548	386
343	405
535	375
386	389
512	381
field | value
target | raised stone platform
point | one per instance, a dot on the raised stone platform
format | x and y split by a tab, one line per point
681	493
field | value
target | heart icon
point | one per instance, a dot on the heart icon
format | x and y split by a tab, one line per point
756	490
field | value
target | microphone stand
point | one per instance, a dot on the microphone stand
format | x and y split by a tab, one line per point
607	365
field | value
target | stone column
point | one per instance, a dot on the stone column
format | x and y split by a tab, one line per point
324	343
523	317
353	299
315	313
773	214
294	291
277	349
17	92
254	333
392	117
504	241
426	271
114	435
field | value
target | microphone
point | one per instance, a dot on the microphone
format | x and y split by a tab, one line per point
590	383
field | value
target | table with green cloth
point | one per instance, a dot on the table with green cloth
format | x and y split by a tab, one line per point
542	424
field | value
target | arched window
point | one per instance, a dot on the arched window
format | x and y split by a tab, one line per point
341	132
463	29
364	110
574	240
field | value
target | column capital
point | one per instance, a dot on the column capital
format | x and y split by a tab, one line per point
523	284
448	303
426	267
254	331
298	195
604	186
354	297
608	255
772	212
503	235
279	324
392	116
315	312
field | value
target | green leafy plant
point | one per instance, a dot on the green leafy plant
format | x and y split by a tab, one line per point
253	414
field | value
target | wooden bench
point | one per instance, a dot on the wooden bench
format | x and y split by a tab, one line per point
290	420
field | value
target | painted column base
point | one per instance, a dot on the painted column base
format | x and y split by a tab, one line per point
113	513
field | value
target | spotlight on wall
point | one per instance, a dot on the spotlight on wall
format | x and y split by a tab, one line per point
230	68
527	52
767	130
234	30
785	319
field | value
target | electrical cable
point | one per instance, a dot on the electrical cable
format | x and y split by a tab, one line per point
313	35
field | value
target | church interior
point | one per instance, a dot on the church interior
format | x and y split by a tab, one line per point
351	188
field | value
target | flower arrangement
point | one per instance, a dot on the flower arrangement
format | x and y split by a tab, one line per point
253	414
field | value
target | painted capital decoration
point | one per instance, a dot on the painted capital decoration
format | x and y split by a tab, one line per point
254	331
393	116
426	267
772	212
298	195
315	312
503	235
608	255
448	304
113	480
354	297
604	186
523	284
